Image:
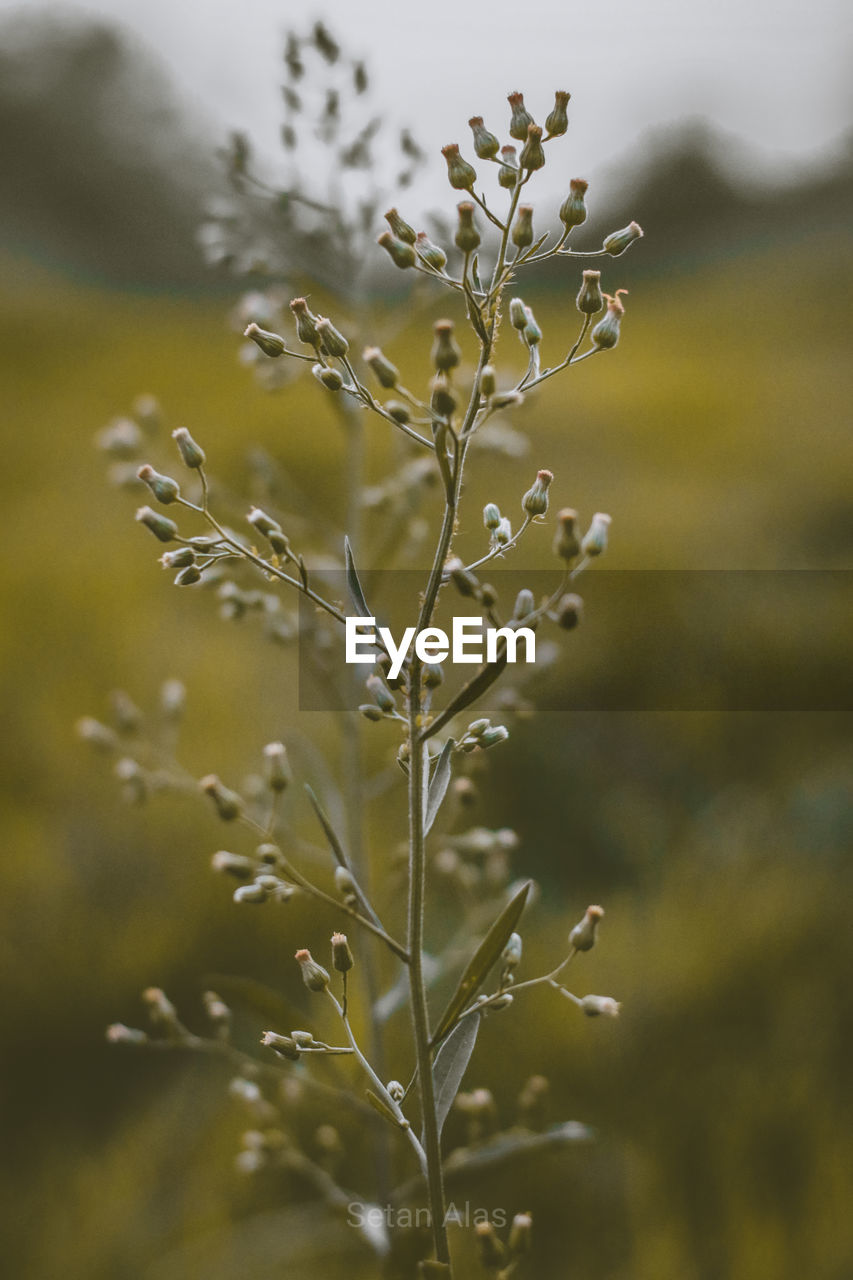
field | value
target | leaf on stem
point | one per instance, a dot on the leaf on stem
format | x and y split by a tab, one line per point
482	960
438	785
383	1109
331	835
451	1064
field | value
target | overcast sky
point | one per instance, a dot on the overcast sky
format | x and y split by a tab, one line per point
776	73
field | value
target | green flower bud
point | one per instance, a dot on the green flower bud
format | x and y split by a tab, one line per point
511	954
264	524
370	712
573	209
475	730
585	934
467	236
192	454
521	117
284	1046
445	352
164	488
463	580
531	333
433	674
497	733
398	411
491	516
251	894
315	977
188	577
164	529
232	864
532	153
606	332
399	227
566	544
380	693
442	400
460	173
486	145
304	1039
334	342
535	501
517	314
277	767
401	254
595	538
509	170
341	954
382	369
589	299
227	803
558	121
600	1006
618	241
331	379
306	323
568	612
346	887
272	344
182	558
522	231
488	382
524	604
430	253
503	533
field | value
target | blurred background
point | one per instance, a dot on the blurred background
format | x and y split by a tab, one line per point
718	436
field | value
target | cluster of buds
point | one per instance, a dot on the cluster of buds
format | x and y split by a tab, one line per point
497	1257
482	734
262	877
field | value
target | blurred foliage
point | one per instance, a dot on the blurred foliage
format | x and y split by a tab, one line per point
718	436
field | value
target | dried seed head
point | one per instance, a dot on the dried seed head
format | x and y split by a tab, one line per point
163	529
164	488
460	173
486	145
573	209
315	977
590	299
566	543
600	1006
272	344
618	241
535	501
341	954
445	352
192	454
386	374
521	117
585	934
399	227
558	121
467	238
532	153
595	538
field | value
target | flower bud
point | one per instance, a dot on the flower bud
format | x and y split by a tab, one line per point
232	864
600	1006
303	1039
517	314
486	145
442	400
430	253
566	544
531	333
511	954
345	886
467	236
386	374
396	1092
508	175
399	412
522	230
535	501
521	1229
272	344
381	695
618	241
445	353
595	538
532	153
573	209
341	954
524	604
558	121
495	734
315	977
491	516
227	803
433	674
463	580
188	577
277	767
492	1252
589	299
568	612
284	1046
181	558
334	342
306	322
191	453
521	117
164	529
164	488
161	1011
606	333
399	227
370	711
118	1033
330	378
253	894
503	533
460	173
585	934
488	381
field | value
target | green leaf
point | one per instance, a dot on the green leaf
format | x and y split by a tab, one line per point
482	960
331	835
383	1109
438	785
451	1063
356	593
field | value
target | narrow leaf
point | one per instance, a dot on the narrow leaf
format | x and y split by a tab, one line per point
353	584
482	960
469	693
383	1109
451	1063
438	785
331	835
